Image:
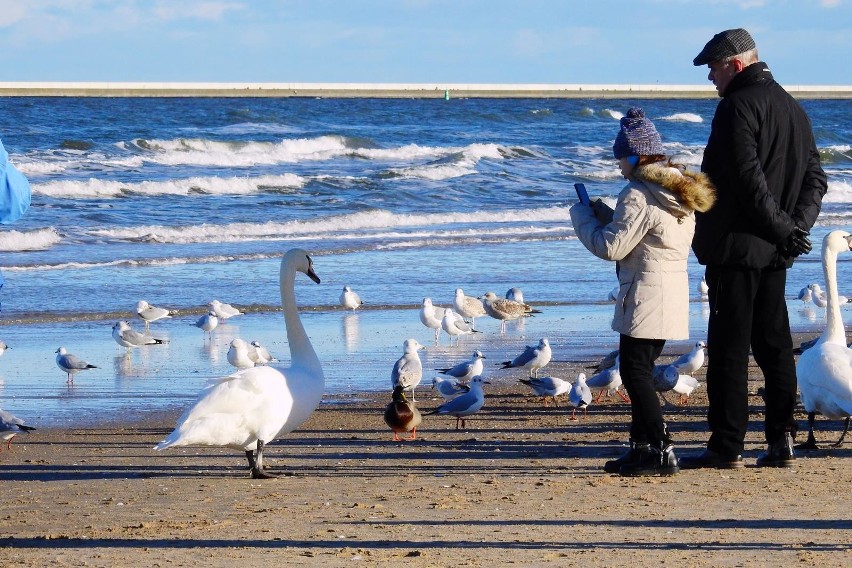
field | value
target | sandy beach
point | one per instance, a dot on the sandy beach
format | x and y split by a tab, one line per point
522	484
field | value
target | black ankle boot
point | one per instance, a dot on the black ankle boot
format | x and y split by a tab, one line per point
658	461
779	453
635	453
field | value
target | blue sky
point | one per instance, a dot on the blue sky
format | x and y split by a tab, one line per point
414	41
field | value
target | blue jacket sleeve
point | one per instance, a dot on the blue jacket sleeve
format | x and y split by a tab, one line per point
14	190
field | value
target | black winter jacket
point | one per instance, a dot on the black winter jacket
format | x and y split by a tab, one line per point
762	158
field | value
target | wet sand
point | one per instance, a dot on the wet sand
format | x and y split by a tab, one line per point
522	484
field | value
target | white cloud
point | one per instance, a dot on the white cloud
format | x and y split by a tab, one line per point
11	12
199	10
829	3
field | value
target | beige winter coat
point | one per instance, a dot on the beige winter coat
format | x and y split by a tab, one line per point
649	236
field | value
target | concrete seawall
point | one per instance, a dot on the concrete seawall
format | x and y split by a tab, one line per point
387	90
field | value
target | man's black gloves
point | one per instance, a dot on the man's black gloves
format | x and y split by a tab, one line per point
797	243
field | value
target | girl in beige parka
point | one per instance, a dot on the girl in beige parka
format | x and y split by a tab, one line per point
648	235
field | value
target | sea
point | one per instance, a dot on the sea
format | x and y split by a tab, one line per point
179	201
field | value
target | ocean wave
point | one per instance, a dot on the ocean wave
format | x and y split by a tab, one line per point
683	117
838	192
609	113
38	239
96	188
324	227
836	154
465	164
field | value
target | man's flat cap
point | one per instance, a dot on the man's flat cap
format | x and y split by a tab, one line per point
725	44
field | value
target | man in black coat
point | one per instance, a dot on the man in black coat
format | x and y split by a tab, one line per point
763	160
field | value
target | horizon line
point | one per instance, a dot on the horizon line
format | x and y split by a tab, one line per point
411	90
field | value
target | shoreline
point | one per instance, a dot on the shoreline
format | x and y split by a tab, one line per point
389	90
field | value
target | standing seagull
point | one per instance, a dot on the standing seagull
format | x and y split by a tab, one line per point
223	311
260	354
466	370
534	357
465	405
548	387
401	415
238	354
11	426
3	348
515	295
580	395
805	295
468	306
349	299
690	362
609	381
252	407
408	371
207	323
128	337
503	310
71	364
448	388
431	316
455	326
149	313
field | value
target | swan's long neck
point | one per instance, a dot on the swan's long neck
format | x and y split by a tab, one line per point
834	331
302	353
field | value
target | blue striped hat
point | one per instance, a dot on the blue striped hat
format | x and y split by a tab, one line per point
637	137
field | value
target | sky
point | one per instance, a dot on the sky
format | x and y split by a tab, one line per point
805	42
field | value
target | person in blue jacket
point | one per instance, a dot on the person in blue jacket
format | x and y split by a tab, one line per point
14	193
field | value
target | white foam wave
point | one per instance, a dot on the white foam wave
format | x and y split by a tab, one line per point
39	239
838	192
203	152
683	117
97	188
609	113
326	227
465	165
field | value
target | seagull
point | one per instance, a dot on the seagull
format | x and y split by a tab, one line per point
465	405
609	381
448	388
238	354
127	337
252	407
548	387
455	326
349	299
260	354
820	299
11	426
431	316
824	372
149	313
503	310
3	348
580	395
606	361
534	357
71	364
466	370
670	378
805	295
402	416
223	311
515	295
408	371
690	362
468	306
207	323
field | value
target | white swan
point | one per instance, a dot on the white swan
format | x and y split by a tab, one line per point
254	406
824	371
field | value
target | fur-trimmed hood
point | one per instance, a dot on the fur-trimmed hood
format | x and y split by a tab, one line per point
678	189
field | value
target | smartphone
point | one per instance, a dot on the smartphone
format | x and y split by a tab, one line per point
582	194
